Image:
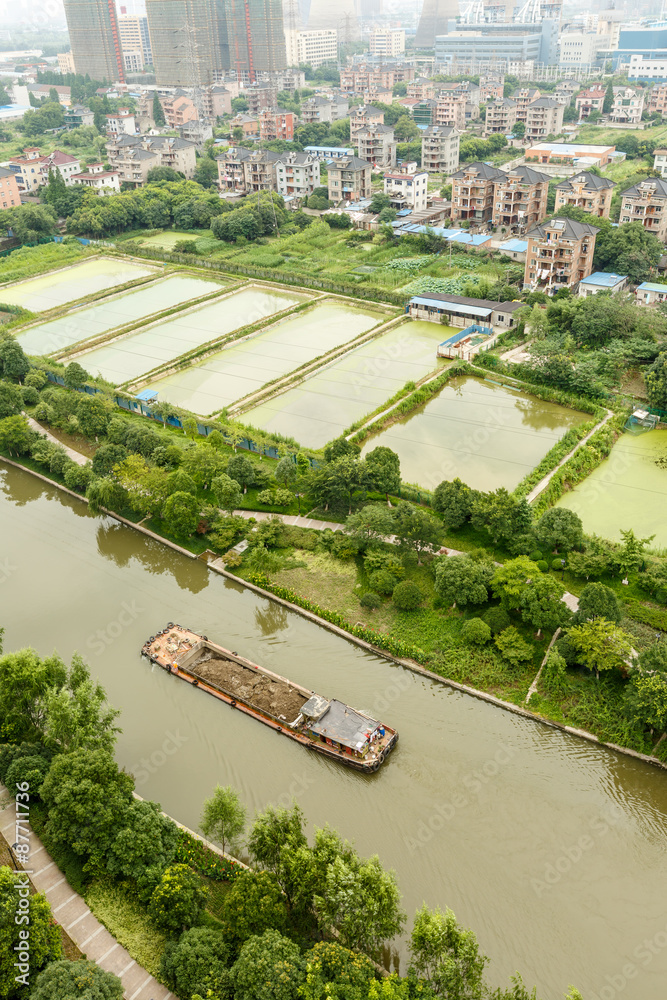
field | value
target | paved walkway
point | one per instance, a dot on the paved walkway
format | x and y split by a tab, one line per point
301	522
543	483
76	456
72	913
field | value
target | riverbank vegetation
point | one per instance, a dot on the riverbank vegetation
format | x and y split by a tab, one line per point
311	915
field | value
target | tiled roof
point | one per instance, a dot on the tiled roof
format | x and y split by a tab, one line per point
592	181
483	170
568	227
659	185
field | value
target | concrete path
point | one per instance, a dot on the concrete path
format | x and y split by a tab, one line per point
71	912
543	483
515	354
76	456
301	522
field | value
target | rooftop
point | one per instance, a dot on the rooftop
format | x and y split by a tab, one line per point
604	278
657	183
570	149
652	286
514	246
590	179
484	170
476	307
342	724
568	228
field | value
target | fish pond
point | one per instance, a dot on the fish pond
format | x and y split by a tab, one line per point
320	408
628	490
58	287
243	368
83	324
487	434
127	358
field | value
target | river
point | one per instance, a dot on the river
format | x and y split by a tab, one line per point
552	849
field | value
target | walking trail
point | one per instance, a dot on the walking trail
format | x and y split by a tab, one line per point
76	456
71	912
543	483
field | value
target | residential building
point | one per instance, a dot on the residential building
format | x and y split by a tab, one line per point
407	188
78	115
134	36
646	202
10	195
520	198
216	101
440	149
645	69
564	92
514	248
627	107
197	131
260	95
94	38
570	154
500	116
363	76
248	123
523	97
231	169
364	115
559	255
451	110
421	89
297	175
660	161
491	88
650	293
276	124
65	63
178	109
312	48
387	42
544	117
326	153
457	310
134	155
98	179
587	191
43	92
657	99
473	193
424	113
348	179
243	171
32	169
121	123
375	144
591	99
375	93
601	281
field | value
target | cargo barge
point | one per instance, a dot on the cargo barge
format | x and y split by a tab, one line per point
329	727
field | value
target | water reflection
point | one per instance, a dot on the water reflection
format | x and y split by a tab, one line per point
122	547
271	618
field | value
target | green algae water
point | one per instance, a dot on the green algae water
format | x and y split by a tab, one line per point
70	283
486	434
59	334
628	490
324	405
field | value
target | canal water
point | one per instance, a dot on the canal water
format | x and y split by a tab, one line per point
628	490
484	433
550	847
59	287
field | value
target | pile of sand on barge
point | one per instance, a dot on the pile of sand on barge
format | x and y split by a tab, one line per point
276	697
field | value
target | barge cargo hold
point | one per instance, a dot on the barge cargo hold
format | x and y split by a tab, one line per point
328	727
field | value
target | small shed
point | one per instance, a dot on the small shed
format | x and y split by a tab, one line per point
602	281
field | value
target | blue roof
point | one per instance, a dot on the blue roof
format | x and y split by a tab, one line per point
652	286
453	235
604	278
515	246
328	149
457	307
147	395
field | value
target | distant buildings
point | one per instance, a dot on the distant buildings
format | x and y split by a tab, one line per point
78	115
134	37
434	20
243	171
440	149
376	144
10	195
500	116
95	40
32	169
387	42
586	191
323	109
646	202
311	47
544	117
559	255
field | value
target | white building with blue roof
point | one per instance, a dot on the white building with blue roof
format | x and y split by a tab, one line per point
602	281
650	293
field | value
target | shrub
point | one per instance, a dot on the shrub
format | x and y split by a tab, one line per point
497	619
30	395
543	565
179	899
80	979
31	769
59	461
36	378
370	600
536	555
554	676
512	647
475	632
567	651
558	564
407	596
196	963
382	581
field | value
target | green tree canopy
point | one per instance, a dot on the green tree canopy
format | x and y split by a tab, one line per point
16	436
14	363
370	525
501	515
197	962
542	605
223	817
415	528
509	581
158	111
559	529
77	980
11	400
601	645
461	580
181	513
454	501
269	967
179	898
598	601
147	840
227	492
254	904
446	955
656	382
384	470
29	935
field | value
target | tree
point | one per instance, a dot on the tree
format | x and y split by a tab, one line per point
29	936
337	973
93	415
227	492
242	470
512	647
158	111
502	515
446	955
286	472
25	679
203	464
77	980
415	528
335	484
147	840
559	528
197	962
595	561
16	437
371	525
509	581
461	580
601	645
628	249
30	223
273	830
179	899
608	101
224	817
597	601
11	400
105	494
384	470
541	603
106	457
630	557
255	903
656	382
407	596
181	513
475	632
269	967
87	799
519	129
454	501
75	376
341	448
76	714
648	699
14	364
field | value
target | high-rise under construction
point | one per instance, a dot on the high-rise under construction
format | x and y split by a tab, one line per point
256	36
93	35
433	21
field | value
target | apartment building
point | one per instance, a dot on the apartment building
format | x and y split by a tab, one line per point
646	202
660	161
32	169
216	101
376	145
657	99
627	106
276	124
451	110
260	96
421	89
323	109
10	196
491	88
407	188
565	91
249	124
349	179
587	191
440	149
297	175
385	96
520	198
559	254
178	110
591	99
134	155
98	179
423	113
544	117
500	116
78	115
134	37
364	115
389	42
312	48
65	63
522	97
473	193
